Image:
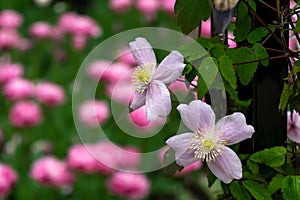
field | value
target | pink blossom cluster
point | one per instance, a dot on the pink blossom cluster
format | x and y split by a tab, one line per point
148	8
25	111
10	38
102	158
79	27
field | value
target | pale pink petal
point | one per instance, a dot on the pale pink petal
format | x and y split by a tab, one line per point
138	101
293	127
233	128
158	101
227	166
142	51
170	68
197	115
180	144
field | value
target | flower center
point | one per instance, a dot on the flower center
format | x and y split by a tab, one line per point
142	77
205	146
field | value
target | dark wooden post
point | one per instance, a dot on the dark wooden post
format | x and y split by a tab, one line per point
270	124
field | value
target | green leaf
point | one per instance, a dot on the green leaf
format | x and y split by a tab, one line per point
275	184
291	187
254	168
261	53
191	75
285	96
188	15
257	190
218	50
273	157
239	191
187	69
172	168
243	26
210	176
257	35
296	68
227	70
192	51
246	71
242	10
208	72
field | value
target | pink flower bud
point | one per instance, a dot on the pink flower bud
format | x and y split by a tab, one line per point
79	42
51	171
25	114
9	71
10	19
8	178
49	94
93	113
18	88
41	30
206	29
120	5
128	185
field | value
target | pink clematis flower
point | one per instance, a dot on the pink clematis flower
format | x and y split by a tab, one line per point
149	81
293	126
207	141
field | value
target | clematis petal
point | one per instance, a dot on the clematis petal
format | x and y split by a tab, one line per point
158	101
227	166
170	68
233	128
138	101
180	144
142	51
293	126
197	115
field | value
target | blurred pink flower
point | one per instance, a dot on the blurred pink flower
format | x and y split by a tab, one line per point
148	8
293	126
120	5
79	42
17	89
80	157
9	39
49	94
108	155
96	69
168	5
149	81
9	71
129	185
8	178
129	158
50	171
10	19
41	30
206	28
231	42
76	24
93	112
126	56
117	71
122	92
25	114
208	140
